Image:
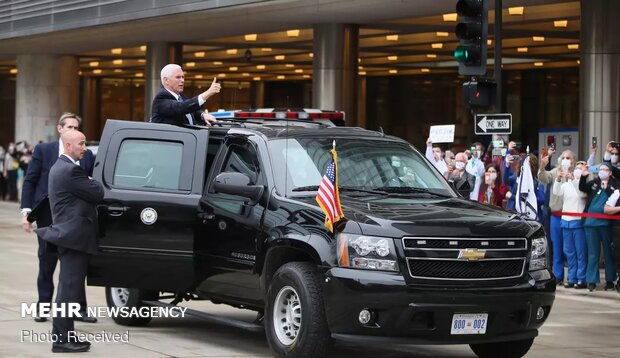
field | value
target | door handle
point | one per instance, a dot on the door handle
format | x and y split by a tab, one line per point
114	210
205	217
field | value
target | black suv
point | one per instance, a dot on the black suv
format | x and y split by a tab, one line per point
228	214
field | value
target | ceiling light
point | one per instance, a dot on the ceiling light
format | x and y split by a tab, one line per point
450	17
306	76
13	71
578	62
538	38
280	57
299	70
190	64
431	55
118	70
221	75
199	54
517	10
311	55
250	37
143	48
266	49
522	49
393	71
290	65
442	34
117	61
573	46
79	72
281	77
245	74
139	74
362	73
425	70
260	67
392	58
538	64
97	71
437	45
360	67
217	63
233	68
198	77
391	37
93	63
231	51
359	60
292	33
560	23
141	60
489	42
116	51
256	78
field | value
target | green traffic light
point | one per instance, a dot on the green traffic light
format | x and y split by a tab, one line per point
461	54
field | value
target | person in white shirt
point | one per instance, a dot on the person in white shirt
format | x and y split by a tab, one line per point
475	167
434	155
574	237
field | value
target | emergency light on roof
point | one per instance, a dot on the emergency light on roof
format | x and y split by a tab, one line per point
284	114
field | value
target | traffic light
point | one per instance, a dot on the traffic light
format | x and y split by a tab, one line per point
479	94
472	31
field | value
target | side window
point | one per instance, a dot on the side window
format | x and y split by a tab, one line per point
148	164
243	160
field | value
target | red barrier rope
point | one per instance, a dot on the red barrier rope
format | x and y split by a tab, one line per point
589	215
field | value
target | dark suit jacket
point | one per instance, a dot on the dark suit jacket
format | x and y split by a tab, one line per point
73	200
459	182
44	156
166	109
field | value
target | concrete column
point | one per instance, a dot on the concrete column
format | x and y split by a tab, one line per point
158	55
47	86
334	78
257	94
599	83
92	125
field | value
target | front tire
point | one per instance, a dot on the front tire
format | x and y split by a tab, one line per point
295	322
117	297
512	349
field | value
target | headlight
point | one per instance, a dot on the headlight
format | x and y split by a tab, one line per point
367	252
538	254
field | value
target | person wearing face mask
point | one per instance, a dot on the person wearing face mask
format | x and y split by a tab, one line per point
565	161
475	167
492	190
598	231
11	166
573	234
612	207
434	155
459	176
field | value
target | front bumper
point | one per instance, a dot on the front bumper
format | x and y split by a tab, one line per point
423	315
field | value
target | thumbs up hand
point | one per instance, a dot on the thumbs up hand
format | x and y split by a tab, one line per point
213	89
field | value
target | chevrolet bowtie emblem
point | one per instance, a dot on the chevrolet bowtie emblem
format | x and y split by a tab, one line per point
472	254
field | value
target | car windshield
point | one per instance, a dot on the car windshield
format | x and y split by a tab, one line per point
365	167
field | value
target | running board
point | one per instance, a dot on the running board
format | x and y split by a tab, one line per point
248	326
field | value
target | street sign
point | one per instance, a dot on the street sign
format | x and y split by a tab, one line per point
499	123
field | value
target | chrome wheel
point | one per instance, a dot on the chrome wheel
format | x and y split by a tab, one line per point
120	296
287	315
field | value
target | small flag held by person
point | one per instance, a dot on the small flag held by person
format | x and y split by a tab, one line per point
526	202
328	196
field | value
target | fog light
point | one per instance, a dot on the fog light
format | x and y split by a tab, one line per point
365	316
540	313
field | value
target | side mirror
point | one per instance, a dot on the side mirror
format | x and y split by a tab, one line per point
238	184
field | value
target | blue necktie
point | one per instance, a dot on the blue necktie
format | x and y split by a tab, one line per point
188	115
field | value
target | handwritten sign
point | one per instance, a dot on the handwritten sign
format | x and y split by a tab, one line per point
442	134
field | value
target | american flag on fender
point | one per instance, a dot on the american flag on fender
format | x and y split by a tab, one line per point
328	196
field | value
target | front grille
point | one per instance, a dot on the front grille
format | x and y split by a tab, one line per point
465	259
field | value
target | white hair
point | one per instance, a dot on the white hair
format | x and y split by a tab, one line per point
167	71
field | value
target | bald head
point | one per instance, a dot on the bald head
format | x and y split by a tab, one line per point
74	143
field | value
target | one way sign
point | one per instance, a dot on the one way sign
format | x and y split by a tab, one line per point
499	123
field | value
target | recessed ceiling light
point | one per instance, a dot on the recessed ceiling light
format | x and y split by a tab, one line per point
392	58
538	64
442	34
118	70
362	73
266	49
517	10
393	71
489	42
281	77
292	33
190	64
79	72
560	23
233	68
97	71
260	67
218	63
280	57
199	54
139	74
538	38
360	67
450	17
13	71
93	63
306	76
117	61
431	55
256	78
311	55
578	62
522	49
299	70
221	75
141	60
573	46
143	48
425	70
391	37
245	74
198	77
290	65
231	51
251	37
437	45
116	51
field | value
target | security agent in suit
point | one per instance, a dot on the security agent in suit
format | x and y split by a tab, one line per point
35	205
170	106
73	197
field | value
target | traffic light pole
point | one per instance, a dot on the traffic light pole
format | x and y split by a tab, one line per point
497	55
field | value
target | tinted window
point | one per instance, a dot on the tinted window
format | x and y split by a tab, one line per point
148	164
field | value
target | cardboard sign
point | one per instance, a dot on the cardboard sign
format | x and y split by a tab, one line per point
442	134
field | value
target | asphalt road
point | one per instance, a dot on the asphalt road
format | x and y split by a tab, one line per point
582	324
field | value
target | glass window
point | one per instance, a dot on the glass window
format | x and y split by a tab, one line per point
149	164
243	160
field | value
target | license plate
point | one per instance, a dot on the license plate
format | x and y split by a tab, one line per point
469	323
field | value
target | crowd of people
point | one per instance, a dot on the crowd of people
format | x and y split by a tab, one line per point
14	162
577	202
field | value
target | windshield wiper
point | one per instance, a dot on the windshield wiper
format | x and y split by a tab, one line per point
405	190
342	188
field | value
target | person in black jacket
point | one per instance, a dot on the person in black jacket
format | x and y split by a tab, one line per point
172	107
73	198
